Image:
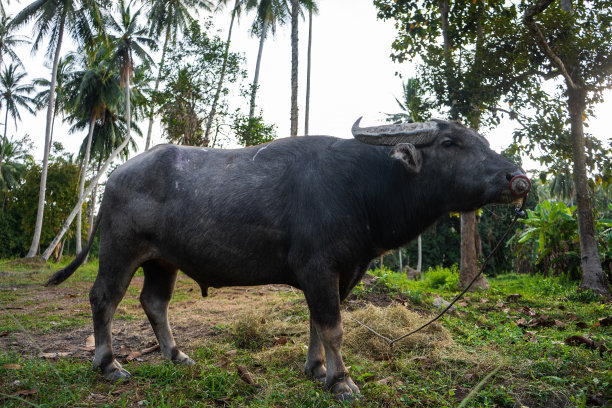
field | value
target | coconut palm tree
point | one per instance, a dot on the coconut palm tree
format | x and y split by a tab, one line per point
269	14
13	94
52	18
93	90
8	40
130	42
213	108
42	97
296	10
308	63
169	17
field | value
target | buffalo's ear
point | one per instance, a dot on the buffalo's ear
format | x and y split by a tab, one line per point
409	156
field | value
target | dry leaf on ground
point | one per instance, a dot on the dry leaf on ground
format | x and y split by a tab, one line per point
245	375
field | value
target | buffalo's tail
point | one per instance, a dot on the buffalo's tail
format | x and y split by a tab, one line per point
63	274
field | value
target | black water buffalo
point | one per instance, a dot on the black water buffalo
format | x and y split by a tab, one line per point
311	212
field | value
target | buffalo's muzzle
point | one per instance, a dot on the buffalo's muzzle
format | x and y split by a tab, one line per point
520	184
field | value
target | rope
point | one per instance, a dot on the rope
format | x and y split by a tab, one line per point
519	214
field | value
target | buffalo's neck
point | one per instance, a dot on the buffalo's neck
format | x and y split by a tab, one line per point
404	207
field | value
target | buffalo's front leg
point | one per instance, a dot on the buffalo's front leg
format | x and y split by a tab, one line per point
324	304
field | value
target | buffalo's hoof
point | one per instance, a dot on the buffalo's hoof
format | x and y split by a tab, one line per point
317	372
183	359
344	389
347	396
115	372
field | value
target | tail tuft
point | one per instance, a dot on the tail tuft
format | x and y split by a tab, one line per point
63	274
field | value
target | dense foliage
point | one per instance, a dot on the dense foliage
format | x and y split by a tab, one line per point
549	242
19	203
191	74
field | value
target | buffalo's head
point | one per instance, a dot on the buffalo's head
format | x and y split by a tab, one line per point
448	157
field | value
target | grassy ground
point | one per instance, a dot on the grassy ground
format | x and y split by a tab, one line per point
250	345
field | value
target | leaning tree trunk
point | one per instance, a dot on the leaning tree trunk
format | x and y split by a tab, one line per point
592	275
213	108
295	8
159	72
307	107
45	167
79	226
92	209
256	78
45	256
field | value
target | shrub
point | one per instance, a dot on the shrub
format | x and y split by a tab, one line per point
440	277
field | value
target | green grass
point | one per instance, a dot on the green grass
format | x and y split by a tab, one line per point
536	367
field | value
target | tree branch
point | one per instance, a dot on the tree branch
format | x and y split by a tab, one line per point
512	114
533	28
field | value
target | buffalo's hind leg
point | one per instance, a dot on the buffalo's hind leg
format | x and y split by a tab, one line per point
160	278
110	286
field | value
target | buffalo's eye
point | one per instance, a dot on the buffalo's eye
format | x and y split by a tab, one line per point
448	143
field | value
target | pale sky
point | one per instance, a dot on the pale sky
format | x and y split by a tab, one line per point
352	76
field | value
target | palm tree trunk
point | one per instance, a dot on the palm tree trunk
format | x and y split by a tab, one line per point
419	254
256	78
52	127
295	8
4	139
213	108
592	275
161	66
307	107
45	167
92	124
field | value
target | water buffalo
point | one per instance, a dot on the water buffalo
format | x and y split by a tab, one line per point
311	212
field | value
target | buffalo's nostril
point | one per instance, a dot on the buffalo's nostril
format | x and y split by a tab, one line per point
508	176
520	185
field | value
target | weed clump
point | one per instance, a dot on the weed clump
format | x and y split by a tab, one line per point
250	330
392	322
258	329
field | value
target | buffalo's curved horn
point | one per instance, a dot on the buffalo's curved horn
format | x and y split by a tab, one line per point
390	135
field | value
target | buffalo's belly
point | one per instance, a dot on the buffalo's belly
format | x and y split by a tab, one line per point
221	255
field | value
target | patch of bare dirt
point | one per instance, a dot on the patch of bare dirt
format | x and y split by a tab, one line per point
193	319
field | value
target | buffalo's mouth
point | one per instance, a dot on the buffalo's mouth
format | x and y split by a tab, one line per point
506	197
